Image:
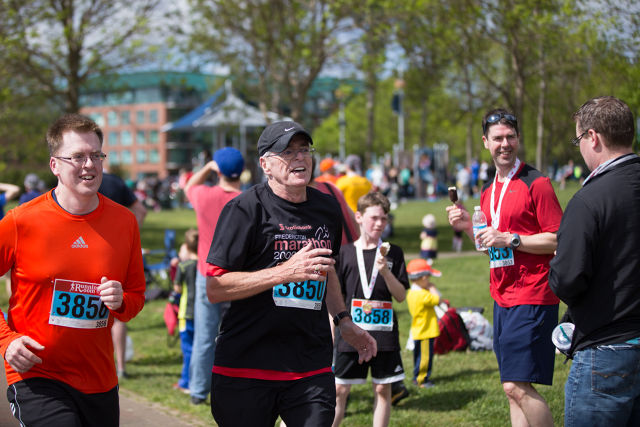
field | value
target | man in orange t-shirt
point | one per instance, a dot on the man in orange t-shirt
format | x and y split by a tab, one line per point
76	264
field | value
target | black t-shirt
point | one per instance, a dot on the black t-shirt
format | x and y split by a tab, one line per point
273	330
349	275
115	188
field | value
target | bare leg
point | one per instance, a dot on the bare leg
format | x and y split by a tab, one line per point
381	405
342	392
119	336
526	406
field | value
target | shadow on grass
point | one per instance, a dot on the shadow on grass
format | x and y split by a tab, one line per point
148	325
465	374
157	360
422	400
441	401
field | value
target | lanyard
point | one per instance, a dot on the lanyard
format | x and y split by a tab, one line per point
608	165
495	213
367	288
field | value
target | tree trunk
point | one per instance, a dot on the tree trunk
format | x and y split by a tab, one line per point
541	107
371	116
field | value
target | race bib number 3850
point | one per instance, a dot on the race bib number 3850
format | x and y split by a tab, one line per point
308	294
77	305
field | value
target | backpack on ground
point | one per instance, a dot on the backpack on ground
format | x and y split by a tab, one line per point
453	334
479	328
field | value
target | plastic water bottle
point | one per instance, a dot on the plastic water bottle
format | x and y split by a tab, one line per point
479	221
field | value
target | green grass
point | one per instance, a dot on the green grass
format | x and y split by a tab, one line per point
467	392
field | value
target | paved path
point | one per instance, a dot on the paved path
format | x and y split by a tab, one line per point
134	411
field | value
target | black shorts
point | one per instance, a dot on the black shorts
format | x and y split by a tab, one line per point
243	402
46	402
386	368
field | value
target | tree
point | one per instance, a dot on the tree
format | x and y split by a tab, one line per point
422	30
24	116
283	44
60	43
372	20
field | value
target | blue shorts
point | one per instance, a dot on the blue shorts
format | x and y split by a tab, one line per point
522	342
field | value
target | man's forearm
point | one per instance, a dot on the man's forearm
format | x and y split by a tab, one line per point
335	300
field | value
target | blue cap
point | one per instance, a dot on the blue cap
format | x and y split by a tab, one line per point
230	162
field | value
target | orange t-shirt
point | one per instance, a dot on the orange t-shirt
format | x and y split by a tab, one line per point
57	259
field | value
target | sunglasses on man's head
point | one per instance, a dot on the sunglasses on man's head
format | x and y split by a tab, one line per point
494	118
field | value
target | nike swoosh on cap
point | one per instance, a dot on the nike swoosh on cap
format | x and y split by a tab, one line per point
287	130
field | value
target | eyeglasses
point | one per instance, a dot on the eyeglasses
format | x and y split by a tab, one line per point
576	141
292	154
80	159
494	118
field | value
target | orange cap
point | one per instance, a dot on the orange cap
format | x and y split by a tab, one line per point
420	267
326	164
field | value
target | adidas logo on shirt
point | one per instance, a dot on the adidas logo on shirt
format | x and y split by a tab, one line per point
79	244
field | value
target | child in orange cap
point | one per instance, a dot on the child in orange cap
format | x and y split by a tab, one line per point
421	299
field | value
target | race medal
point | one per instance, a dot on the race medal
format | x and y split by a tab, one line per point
77	305
372	315
500	257
308	295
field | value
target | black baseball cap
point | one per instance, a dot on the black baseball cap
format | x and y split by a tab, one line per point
276	136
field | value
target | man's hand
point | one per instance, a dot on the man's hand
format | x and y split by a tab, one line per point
308	264
489	237
111	293
459	217
19	357
359	339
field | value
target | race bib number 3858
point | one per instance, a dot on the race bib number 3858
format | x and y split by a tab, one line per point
372	315
77	305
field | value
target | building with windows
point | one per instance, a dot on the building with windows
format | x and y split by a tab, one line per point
132	109
155	123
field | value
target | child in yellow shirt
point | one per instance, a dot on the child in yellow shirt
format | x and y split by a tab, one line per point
421	298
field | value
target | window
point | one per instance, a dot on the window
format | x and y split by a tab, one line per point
112	138
112	118
125	118
153	116
125	157
153	156
126	138
153	136
141	137
141	156
98	118
113	157
140	117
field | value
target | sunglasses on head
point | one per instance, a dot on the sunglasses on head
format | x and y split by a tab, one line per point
494	118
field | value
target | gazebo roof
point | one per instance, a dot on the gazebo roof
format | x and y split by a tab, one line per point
223	109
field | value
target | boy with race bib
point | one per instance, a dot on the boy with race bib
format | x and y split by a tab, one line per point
372	273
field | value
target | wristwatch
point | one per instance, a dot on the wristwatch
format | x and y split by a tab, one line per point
515	240
338	317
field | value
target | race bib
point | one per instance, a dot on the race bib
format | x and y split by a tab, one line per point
372	315
307	295
77	305
500	257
